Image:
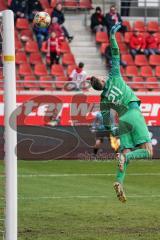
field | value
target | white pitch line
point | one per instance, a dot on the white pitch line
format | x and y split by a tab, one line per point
84	175
85	197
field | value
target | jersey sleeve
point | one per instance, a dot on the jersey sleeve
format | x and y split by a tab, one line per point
115	69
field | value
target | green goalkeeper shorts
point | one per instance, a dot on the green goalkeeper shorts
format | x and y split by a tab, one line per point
133	129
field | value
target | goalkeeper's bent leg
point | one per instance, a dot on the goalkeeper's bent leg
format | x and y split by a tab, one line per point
121	174
143	152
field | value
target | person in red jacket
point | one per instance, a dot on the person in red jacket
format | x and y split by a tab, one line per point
152	44
137	44
54	44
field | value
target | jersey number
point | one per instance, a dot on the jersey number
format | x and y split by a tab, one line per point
113	94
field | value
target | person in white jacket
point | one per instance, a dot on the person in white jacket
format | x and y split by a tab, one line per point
78	75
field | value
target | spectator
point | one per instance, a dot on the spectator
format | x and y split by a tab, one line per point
53	46
55	27
112	18
20	8
152	44
41	35
78	75
57	12
97	21
108	57
137	44
34	6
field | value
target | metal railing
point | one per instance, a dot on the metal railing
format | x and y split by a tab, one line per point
73	86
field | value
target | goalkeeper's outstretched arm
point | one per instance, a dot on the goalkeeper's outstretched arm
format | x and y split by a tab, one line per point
115	69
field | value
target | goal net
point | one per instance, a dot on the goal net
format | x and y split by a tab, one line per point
8	206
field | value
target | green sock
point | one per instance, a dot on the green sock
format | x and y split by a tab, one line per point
121	175
137	154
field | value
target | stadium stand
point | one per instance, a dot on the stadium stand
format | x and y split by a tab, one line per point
31	62
143	68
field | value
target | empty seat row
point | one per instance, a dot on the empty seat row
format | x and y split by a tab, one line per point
40	70
145	71
71	4
141	60
140	82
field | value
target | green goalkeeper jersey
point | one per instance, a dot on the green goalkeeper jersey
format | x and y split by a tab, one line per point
116	94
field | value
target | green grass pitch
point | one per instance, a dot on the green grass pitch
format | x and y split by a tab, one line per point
74	200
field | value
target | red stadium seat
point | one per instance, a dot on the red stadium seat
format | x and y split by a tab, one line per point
153	26
35	58
127	36
157	35
71	4
138	82
152	82
44	4
123	48
18	45
146	71
85	4
68	59
103	48
139	26
141	60
154	60
22	23
21	57
119	37
44	47
157	71
122	70
60	82
65	48
126	79
26	33
57	70
16	35
70	69
1	73
30	82
102	37
46	82
127	24
128	58
25	69
49	10
40	69
31	46
131	71
19	84
3	5
53	3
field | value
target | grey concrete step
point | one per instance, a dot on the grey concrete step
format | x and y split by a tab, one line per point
82	38
83	44
84	47
93	72
85	50
91	61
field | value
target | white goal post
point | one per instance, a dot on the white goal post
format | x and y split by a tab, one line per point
10	135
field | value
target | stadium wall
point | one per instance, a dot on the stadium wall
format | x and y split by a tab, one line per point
45	143
77	109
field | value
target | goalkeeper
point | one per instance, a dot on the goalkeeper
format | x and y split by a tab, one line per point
135	142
